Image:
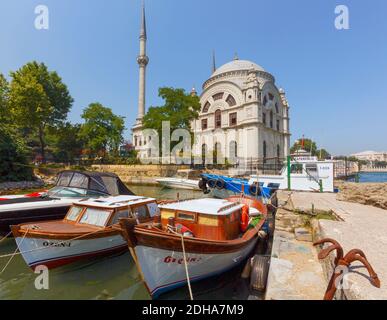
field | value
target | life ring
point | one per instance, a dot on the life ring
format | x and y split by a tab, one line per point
186	232
211	183
220	184
244	223
255	189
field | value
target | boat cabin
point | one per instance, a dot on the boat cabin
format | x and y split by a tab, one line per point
104	212
212	219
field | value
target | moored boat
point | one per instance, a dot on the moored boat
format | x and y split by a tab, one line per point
206	236
90	229
184	179
53	204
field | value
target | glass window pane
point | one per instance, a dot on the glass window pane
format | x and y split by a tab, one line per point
73	213
140	212
96	217
120	214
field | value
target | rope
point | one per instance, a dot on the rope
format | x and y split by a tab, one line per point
8	234
186	268
14	253
170	228
51	245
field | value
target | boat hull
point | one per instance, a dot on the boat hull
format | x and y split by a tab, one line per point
56	253
179	184
164	270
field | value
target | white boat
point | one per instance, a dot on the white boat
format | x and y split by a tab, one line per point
307	173
90	229
213	237
53	204
183	180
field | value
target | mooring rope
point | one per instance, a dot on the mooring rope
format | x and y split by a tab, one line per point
8	234
14	253
170	228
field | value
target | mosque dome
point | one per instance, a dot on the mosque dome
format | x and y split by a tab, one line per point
237	65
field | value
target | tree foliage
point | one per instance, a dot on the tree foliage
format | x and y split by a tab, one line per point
310	146
180	108
4	92
38	99
14	165
64	142
102	130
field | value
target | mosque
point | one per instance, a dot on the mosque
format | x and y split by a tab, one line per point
244	115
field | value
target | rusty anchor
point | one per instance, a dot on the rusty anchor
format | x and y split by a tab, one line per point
343	261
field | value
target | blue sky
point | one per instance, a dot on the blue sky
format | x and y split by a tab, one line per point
335	80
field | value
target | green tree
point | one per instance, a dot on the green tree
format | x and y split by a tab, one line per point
102	130
323	154
38	99
180	108
14	165
4	97
65	142
309	146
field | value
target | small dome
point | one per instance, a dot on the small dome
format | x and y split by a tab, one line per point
237	65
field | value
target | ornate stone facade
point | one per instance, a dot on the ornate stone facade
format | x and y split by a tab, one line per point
244	115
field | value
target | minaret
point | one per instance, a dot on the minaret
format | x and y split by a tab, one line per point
142	61
213	62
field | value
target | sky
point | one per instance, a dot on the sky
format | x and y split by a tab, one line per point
335	80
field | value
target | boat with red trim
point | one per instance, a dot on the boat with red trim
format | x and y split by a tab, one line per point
90	229
53	204
204	236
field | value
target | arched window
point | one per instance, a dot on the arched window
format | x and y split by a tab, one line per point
264	100
230	100
218	96
276	107
233	154
206	107
218	119
271	119
264	150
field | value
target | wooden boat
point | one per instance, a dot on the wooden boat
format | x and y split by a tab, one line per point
210	230
53	204
88	230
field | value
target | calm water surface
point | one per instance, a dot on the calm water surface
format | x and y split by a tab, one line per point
370	177
112	277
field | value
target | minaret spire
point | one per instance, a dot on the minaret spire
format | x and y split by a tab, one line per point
213	61
142	61
143	23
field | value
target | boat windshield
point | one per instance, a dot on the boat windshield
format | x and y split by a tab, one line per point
69	192
95	217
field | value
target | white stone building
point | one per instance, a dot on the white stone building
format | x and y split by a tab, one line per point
243	113
370	156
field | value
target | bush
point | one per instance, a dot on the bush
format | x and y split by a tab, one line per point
13	161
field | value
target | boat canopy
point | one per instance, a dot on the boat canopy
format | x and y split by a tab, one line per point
101	182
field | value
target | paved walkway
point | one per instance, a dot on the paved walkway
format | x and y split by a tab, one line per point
363	227
295	272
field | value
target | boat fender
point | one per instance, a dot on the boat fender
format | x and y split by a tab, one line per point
186	232
255	190
244	223
203	184
212	183
220	184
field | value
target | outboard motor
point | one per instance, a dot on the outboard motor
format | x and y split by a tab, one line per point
203	185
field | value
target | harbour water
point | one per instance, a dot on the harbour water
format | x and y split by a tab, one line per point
372	177
111	277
